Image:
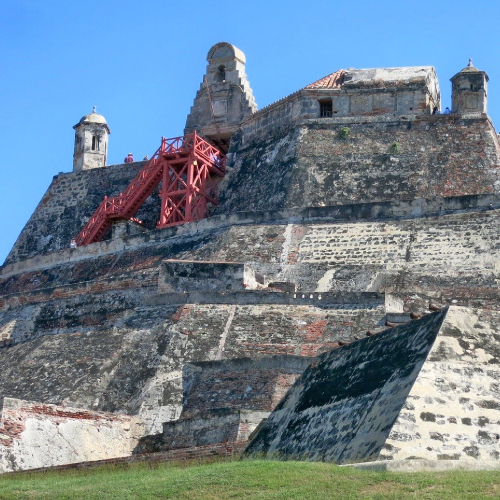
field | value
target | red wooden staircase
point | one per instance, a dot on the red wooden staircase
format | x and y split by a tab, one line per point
186	166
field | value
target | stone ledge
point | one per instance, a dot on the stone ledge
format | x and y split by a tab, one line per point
427	465
359	212
259	297
226	450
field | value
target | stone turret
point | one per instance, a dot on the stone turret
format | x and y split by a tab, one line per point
225	98
469	90
91	142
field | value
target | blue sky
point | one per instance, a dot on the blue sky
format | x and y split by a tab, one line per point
141	64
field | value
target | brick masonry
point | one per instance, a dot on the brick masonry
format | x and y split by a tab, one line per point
228	450
226	400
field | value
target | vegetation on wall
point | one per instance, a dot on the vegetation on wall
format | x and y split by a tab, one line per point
344	132
395	148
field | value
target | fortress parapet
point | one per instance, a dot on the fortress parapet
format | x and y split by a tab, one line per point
346	95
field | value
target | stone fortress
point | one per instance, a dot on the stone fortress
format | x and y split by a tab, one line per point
341	302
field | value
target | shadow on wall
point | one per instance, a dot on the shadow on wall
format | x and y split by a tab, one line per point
226	400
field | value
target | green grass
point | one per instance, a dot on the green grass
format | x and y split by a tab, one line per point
248	480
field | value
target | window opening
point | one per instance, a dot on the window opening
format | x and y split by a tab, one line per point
325	109
221	73
95	143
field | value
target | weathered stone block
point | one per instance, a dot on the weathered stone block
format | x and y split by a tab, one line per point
34	435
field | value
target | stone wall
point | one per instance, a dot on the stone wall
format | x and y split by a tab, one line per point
227	450
183	276
344	405
69	202
180	240
403	257
34	435
313	164
213	427
124	351
112	343
226	400
453	411
395	256
425	390
239	384
399	255
308	165
358	93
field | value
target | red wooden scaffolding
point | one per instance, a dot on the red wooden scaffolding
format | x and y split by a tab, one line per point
185	166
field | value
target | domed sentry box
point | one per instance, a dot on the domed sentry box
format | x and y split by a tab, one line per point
91	142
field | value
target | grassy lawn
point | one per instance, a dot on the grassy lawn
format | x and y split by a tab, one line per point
248	480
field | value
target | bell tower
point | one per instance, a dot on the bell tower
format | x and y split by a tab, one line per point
224	99
91	142
469	90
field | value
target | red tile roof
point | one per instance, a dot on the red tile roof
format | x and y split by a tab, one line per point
331	81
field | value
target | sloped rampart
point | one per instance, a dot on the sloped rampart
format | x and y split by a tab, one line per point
345	404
